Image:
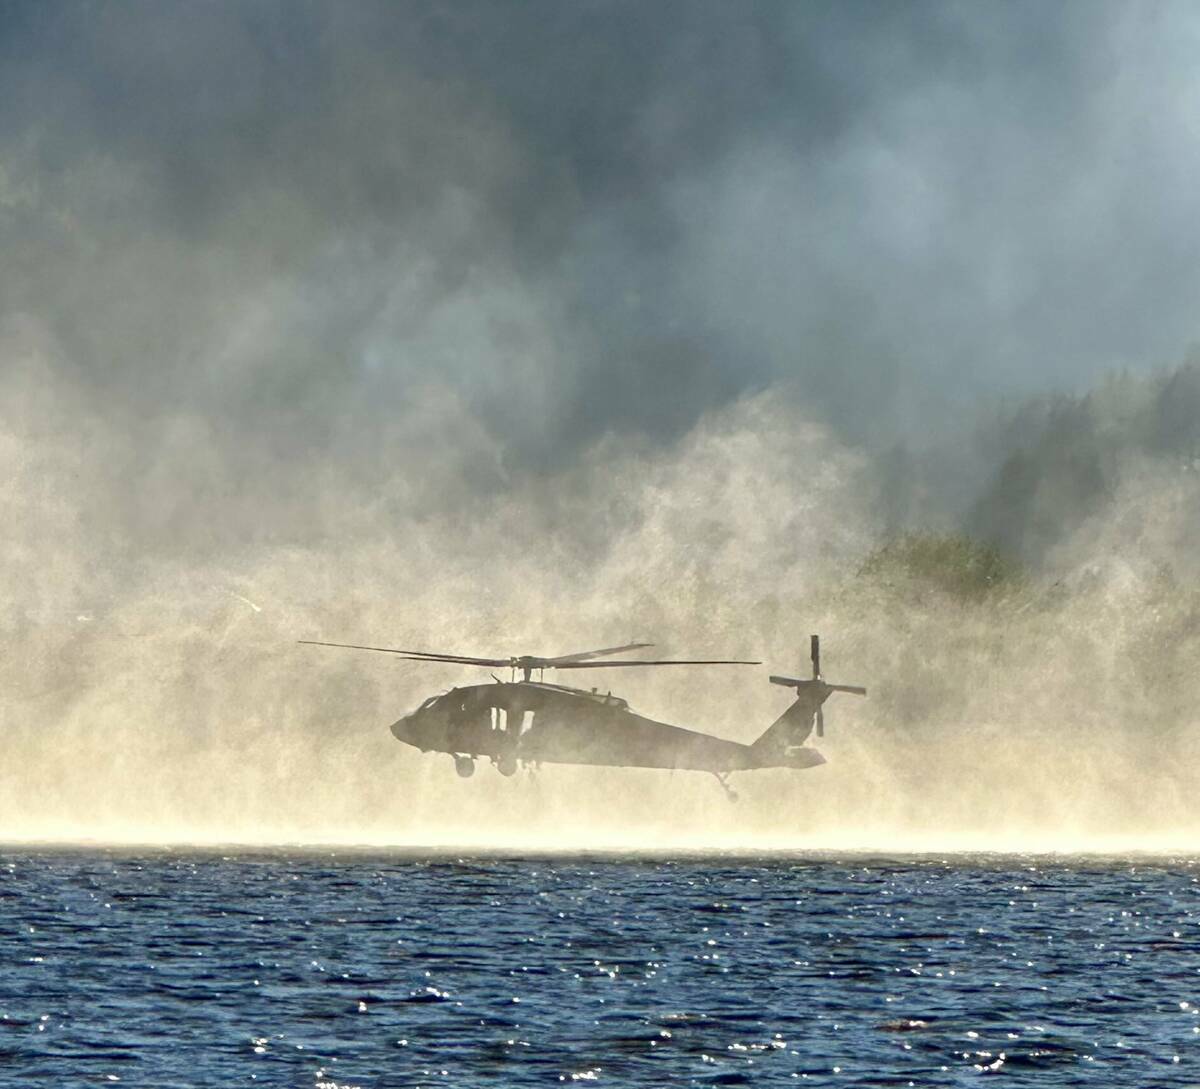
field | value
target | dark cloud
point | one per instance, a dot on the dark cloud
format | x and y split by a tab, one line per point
292	221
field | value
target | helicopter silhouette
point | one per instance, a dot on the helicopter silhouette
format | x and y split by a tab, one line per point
532	722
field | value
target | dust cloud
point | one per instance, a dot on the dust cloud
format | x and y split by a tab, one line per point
532	328
1051	712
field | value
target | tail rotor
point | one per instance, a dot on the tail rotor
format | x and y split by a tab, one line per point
814	652
816	691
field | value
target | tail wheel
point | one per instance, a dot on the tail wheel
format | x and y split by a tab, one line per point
465	766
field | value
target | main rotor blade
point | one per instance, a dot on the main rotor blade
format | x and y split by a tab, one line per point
414	655
672	661
570	661
455	659
853	689
584	655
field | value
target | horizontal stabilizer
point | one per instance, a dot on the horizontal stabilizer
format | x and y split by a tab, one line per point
792	682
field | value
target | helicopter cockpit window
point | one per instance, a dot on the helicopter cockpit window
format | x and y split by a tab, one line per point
428	703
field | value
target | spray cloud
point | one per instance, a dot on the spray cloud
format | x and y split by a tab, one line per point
529	328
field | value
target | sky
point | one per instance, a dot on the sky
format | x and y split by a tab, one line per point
288	221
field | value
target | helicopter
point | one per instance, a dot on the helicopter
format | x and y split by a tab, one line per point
533	722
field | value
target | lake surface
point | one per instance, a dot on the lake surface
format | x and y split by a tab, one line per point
158	968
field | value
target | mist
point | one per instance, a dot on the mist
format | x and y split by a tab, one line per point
504	329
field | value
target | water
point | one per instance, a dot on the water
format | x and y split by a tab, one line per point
160	968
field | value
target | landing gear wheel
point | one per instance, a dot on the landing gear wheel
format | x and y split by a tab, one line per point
465	766
507	765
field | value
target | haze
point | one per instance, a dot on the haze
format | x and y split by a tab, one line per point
532	327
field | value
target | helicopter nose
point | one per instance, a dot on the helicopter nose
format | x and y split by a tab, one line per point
402	728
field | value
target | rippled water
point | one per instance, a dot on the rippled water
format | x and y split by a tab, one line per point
294	969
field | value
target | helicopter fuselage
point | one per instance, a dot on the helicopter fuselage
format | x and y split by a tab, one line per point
532	722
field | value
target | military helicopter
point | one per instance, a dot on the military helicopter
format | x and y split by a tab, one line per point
531	722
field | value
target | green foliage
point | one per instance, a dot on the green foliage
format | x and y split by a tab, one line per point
948	563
